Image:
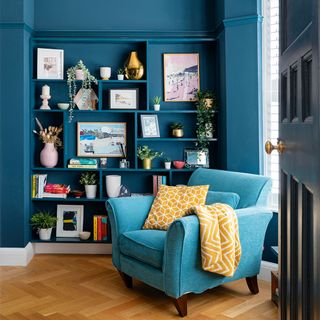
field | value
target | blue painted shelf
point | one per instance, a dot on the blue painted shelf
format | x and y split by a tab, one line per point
171	139
67	240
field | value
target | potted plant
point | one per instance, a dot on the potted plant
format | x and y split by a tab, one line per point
206	103
156	103
43	222
90	181
147	155
50	137
120	74
177	129
167	163
78	72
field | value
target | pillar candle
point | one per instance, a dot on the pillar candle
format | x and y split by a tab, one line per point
46	90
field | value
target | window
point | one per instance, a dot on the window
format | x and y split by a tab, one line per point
270	60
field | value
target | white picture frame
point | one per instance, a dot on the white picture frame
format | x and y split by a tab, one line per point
50	63
124	98
72	228
150	126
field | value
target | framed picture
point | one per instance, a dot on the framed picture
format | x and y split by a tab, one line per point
101	139
124	98
50	63
197	158
150	126
86	99
70	220
181	76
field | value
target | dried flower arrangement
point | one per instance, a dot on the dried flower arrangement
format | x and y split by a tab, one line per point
49	135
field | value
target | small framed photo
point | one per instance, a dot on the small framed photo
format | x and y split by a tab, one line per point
70	220
50	63
181	76
101	139
197	158
150	126
124	98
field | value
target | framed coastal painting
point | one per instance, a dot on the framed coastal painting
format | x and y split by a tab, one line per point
101	139
197	158
70	220
124	98
181	76
50	63
150	126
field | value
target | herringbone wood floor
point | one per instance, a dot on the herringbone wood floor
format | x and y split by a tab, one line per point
59	287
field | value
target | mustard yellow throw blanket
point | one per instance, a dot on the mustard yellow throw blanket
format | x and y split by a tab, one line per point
220	244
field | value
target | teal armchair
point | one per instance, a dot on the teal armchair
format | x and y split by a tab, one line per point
171	260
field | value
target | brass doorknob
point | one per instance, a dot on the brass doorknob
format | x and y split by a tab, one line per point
269	147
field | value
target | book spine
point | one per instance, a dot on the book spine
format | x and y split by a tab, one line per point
33	186
95	234
37	186
83	161
104	221
155	185
82	166
159	182
99	238
164	180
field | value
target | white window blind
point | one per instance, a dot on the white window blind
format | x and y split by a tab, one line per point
270	58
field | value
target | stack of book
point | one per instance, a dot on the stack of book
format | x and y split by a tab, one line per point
38	183
55	190
100	231
83	163
157	182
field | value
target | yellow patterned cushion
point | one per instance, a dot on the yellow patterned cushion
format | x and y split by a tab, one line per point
172	203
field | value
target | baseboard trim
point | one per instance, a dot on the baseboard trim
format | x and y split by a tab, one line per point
70	248
265	270
16	256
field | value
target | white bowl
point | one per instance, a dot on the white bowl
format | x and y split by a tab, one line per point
63	106
84	235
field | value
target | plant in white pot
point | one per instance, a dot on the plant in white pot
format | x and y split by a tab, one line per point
43	222
167	163
120	74
90	181
156	103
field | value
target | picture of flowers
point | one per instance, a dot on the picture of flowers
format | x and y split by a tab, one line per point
181	76
101	139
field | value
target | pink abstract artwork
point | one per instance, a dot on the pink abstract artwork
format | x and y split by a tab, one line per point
181	76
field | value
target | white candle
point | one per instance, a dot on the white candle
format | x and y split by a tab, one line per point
46	90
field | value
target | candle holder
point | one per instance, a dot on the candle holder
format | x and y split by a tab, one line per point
45	104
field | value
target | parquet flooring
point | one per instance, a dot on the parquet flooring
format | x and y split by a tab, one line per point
60	287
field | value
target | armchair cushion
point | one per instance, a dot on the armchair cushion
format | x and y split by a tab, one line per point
230	198
144	245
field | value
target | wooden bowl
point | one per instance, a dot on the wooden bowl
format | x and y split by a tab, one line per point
178	164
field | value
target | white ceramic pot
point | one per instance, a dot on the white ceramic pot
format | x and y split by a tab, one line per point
167	165
120	76
113	183
79	74
156	107
45	234
49	155
91	191
105	73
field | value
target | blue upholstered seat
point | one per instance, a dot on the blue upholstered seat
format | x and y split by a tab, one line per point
171	260
144	245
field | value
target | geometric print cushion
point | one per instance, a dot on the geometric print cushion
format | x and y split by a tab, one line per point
172	203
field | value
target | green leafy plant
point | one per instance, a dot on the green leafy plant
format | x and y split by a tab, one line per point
176	126
88	179
167	160
72	84
156	100
144	152
204	117
43	220
120	71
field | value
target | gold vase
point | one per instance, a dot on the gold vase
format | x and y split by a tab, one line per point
133	67
177	133
146	163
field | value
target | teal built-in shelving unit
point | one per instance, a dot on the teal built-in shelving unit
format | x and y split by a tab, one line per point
97	52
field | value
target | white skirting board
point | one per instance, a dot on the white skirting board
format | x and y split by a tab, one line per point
71	248
16	256
265	270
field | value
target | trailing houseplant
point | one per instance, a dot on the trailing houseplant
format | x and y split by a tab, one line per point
147	155
177	129
78	72
43	222
90	181
206	103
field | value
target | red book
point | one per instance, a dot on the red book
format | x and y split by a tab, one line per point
155	185
99	229
56	188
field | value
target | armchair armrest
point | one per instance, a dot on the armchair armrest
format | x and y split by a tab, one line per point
182	256
126	214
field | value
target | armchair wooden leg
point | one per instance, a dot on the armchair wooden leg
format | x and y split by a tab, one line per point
252	283
181	305
126	279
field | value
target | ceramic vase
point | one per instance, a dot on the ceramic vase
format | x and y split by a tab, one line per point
79	74
146	163
156	107
45	234
105	73
91	191
133	67
120	76
49	155
113	183
167	165
177	133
